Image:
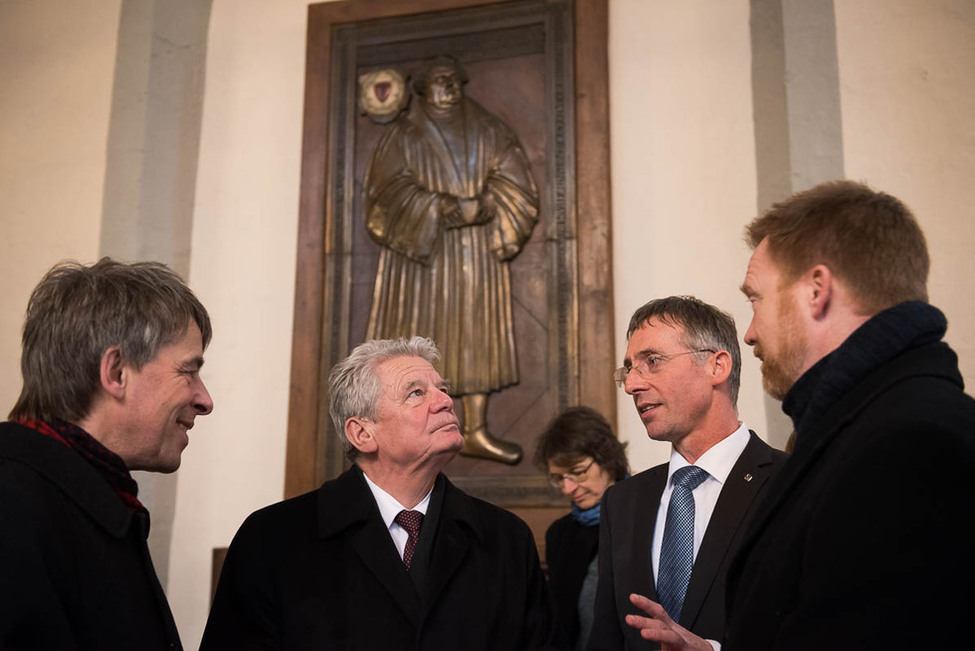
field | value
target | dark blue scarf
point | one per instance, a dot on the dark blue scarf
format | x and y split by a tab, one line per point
879	340
588	517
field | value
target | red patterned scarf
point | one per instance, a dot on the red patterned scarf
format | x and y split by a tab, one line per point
108	464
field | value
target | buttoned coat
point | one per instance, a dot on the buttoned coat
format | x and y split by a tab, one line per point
75	571
320	571
628	518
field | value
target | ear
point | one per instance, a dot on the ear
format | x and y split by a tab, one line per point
820	283
113	373
720	367
359	432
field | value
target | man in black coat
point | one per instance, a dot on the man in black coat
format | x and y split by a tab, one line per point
860	544
390	555
111	360
682	368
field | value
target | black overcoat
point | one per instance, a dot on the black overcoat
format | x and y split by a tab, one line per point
320	571
75	571
865	540
570	548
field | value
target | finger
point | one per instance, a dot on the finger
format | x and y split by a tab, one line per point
651	608
653	629
638	621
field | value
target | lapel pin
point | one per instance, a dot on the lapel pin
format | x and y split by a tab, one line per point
748	476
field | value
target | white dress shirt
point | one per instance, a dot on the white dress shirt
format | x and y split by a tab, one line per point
389	508
717	462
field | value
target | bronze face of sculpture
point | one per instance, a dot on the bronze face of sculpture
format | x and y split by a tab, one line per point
450	196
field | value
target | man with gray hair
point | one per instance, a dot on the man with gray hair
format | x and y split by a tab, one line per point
111	369
389	555
670	532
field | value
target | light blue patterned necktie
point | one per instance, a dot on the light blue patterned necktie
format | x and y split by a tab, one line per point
677	549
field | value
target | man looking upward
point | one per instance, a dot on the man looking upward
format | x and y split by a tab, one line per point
389	555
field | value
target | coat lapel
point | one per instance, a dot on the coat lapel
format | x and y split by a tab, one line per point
644	517
744	482
375	547
358	517
453	541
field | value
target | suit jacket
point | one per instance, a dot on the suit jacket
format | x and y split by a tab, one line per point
628	517
320	571
75	571
861	543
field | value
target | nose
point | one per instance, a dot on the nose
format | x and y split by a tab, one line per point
634	382
441	401
750	333
202	402
566	489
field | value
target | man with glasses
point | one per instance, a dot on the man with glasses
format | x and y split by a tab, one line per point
669	532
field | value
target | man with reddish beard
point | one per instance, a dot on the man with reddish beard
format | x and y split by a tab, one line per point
660	536
857	545
111	368
390	555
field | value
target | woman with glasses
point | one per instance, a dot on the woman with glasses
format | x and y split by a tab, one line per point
583	458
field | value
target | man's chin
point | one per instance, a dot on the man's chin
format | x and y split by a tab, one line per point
774	383
161	466
456	439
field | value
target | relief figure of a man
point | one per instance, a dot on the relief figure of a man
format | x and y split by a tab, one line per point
450	196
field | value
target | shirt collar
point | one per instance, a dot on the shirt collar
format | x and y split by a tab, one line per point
389	508
720	457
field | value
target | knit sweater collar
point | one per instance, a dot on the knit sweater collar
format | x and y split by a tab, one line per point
879	340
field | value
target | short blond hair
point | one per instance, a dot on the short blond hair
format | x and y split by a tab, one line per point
870	240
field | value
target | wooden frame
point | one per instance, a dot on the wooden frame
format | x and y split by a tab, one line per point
311	448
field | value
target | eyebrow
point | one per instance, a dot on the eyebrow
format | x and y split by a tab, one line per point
412	384
746	290
646	352
192	364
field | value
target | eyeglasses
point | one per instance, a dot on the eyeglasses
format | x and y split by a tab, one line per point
558	479
650	364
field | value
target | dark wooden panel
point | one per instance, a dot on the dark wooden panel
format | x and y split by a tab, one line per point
312	449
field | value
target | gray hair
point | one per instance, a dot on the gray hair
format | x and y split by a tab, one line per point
77	312
704	326
353	384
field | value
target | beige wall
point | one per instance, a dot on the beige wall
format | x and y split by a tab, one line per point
684	184
56	70
909	127
683	160
243	269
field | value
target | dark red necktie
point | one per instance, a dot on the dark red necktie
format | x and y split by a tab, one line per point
411	521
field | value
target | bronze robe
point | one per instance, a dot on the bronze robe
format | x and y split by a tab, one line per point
441	276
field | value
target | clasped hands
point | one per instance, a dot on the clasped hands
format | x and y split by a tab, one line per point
659	627
458	211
